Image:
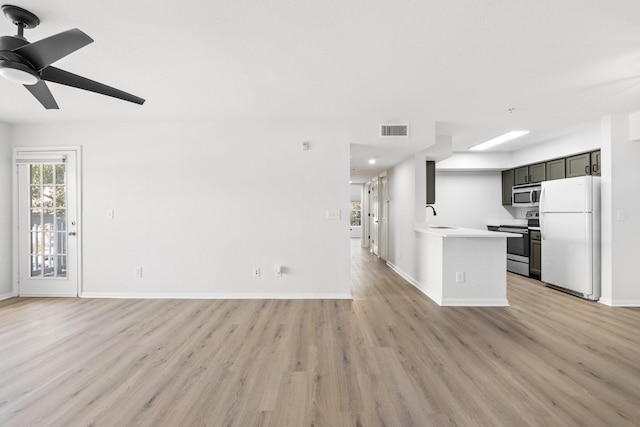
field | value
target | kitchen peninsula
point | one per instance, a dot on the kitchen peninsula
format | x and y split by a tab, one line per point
462	266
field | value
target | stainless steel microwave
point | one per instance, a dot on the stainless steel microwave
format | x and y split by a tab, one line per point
526	196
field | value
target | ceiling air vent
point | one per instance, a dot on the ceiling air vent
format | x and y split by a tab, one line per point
394	130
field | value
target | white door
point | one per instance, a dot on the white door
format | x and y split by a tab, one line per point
384	212
373	228
47	223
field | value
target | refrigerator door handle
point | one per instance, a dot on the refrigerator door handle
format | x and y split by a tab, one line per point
541	224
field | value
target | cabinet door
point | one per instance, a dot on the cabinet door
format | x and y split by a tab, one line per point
595	163
535	260
507	185
556	169
537	173
578	165
521	175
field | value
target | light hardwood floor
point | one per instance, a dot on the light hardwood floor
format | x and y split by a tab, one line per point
390	357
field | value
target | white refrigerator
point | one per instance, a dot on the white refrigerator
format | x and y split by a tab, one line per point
570	228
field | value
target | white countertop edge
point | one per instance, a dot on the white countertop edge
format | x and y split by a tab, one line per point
461	232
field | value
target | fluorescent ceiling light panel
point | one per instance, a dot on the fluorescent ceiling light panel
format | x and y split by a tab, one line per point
500	139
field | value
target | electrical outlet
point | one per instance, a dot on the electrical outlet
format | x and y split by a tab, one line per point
256	271
459	276
109	214
138	271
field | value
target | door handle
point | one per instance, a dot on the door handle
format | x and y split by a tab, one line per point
72	233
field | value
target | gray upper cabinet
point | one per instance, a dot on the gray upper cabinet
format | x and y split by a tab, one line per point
556	169
521	175
578	165
568	167
537	173
507	185
595	163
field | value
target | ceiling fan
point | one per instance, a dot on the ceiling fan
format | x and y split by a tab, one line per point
30	63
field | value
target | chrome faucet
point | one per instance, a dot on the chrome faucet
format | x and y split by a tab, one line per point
434	210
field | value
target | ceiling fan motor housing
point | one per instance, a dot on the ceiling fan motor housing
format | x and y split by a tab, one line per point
8	43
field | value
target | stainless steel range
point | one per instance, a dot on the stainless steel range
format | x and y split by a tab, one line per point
518	247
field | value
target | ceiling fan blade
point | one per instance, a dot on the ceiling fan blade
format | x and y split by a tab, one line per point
42	93
62	77
45	52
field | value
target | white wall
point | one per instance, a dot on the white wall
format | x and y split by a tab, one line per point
5	212
198	205
578	140
468	198
620	212
402	201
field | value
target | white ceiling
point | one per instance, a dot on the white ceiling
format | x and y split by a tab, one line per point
460	64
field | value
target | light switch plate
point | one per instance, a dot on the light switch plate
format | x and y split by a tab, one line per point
110	214
332	214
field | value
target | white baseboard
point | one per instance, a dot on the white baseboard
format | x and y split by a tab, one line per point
211	296
412	281
474	303
620	303
405	276
6	296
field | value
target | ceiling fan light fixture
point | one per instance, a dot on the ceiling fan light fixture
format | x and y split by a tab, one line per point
18	73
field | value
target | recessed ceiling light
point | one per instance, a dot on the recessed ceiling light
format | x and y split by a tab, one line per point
500	139
372	161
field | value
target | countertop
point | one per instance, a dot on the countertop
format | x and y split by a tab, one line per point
449	231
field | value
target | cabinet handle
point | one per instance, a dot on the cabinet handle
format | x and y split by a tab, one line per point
595	167
586	170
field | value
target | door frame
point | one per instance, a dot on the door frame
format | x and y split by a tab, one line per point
15	210
383	200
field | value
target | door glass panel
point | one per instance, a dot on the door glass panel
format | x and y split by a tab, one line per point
59	174
47	174
36	171
61	266
48	221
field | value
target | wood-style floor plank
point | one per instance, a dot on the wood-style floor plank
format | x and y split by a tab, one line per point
390	357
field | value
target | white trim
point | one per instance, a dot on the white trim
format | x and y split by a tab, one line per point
480	302
212	296
14	190
62	295
405	276
620	303
6	296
